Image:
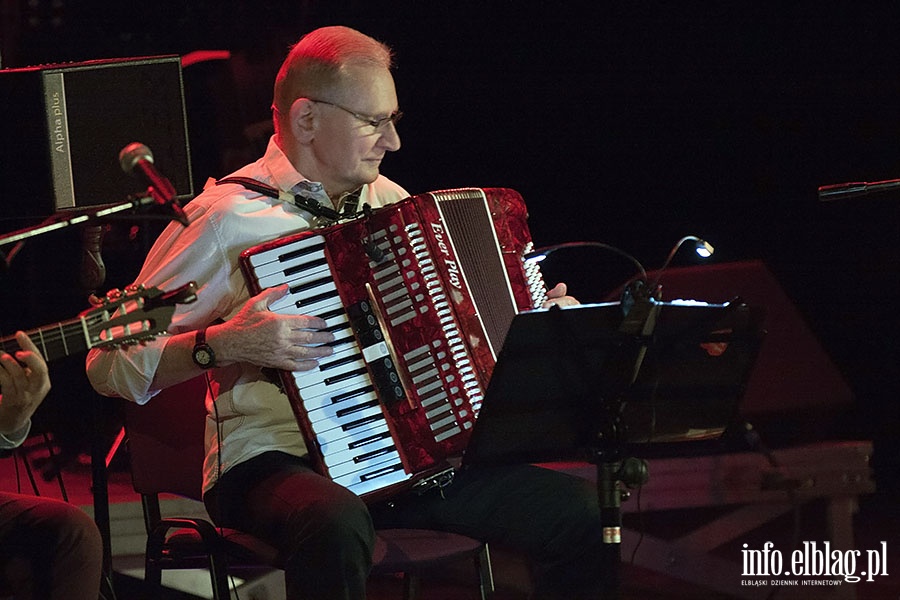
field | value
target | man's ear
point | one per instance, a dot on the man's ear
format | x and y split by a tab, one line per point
302	120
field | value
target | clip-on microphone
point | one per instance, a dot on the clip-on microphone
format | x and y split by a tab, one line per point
369	243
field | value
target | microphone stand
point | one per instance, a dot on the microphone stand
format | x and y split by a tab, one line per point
839	191
613	467
95	213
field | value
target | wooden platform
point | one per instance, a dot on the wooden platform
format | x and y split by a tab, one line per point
692	519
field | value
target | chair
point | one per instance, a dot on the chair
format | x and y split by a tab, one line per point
166	450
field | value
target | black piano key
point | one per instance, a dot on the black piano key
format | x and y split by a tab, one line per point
338	327
344	376
356	408
368	440
313	283
362	422
313	299
305	266
374	454
325	366
301	252
352	394
338	342
330	314
382	472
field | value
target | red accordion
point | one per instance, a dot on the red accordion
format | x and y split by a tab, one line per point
419	295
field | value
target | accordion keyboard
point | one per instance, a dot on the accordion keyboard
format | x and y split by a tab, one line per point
339	397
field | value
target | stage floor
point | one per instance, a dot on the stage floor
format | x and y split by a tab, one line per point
877	521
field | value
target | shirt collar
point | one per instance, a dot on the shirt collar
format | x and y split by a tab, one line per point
288	179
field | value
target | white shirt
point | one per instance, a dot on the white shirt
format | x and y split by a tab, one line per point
250	414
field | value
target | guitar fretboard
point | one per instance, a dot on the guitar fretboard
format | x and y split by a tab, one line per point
55	341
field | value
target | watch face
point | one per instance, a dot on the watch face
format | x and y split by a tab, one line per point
203	356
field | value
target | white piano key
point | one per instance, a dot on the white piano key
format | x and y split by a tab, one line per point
334	460
351	442
288	306
365	462
338	363
334	439
287	270
322	421
340	393
312	388
273	254
294	277
382	467
344	411
347	395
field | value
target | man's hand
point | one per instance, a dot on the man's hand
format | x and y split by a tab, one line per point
25	381
261	337
557	297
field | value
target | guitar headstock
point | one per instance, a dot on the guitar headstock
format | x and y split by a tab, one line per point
134	315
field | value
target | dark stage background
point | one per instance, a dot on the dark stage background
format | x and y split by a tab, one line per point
628	123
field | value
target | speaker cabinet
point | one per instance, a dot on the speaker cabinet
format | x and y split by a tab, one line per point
62	127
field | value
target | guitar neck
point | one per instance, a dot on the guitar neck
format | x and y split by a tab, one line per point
137	315
54	341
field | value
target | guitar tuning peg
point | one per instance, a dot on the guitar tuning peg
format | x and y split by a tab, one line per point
113	295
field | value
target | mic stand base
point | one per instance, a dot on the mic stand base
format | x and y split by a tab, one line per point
613	470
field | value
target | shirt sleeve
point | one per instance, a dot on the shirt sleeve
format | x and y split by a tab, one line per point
179	256
15	439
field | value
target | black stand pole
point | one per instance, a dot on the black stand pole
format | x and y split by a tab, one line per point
610	499
100	492
613	470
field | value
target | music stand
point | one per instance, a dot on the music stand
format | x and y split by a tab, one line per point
574	383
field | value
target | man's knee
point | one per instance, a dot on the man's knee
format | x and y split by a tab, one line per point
341	520
76	533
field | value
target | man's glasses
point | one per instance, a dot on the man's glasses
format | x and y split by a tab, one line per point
375	122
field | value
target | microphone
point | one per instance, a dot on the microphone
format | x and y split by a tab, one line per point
839	191
369	244
137	156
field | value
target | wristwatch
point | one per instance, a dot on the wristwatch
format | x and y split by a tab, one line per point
203	355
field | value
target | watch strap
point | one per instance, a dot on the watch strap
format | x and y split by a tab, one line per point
202	354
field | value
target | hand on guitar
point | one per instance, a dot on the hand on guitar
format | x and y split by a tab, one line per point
264	338
557	297
24	381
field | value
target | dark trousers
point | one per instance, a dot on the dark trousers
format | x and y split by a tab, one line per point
48	550
326	533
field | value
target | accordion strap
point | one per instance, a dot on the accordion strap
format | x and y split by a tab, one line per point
311	205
